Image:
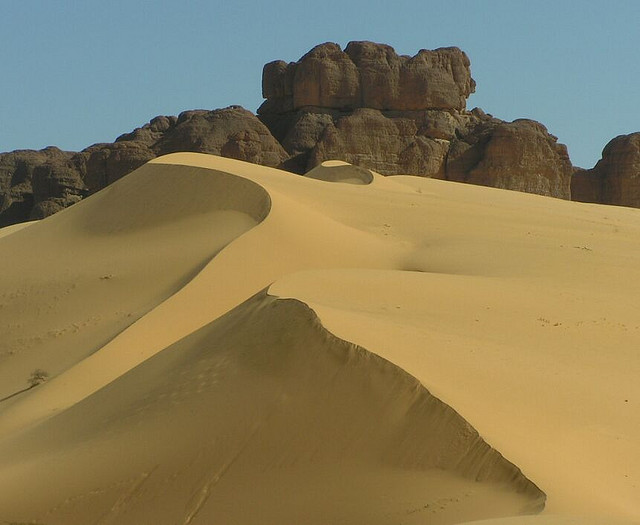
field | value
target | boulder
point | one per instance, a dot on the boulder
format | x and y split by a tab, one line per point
615	179
519	155
151	132
231	132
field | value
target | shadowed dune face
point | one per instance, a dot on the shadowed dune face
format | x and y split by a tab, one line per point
158	197
66	285
265	398
421	330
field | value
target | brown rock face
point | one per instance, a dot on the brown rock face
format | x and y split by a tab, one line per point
325	77
368	138
615	179
103	164
520	156
231	132
368	75
365	105
395	114
56	184
29	178
35	184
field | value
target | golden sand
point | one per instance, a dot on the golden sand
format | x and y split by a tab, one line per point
230	343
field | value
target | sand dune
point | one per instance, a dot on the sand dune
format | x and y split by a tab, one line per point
263	403
230	342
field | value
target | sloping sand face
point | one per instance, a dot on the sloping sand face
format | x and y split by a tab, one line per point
71	283
424	352
261	417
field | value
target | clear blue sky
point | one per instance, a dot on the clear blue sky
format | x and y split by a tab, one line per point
78	72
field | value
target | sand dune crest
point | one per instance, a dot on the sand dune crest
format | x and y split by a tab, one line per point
426	352
263	398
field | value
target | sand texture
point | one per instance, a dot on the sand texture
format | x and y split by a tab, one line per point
230	343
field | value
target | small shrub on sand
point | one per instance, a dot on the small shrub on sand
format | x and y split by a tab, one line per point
37	377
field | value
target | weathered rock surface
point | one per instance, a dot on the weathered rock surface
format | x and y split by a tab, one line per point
56	184
368	138
365	105
615	179
231	132
35	184
31	181
395	114
519	155
368	75
103	164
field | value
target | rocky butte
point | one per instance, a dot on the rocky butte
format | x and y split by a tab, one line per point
366	105
397	114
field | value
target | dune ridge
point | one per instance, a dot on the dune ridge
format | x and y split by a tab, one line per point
275	394
300	341
79	298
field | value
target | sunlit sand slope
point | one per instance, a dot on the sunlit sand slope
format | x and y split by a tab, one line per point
268	348
72	282
260	417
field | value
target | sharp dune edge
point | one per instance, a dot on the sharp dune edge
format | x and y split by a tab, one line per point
246	345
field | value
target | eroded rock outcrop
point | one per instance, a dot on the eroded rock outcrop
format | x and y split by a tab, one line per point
34	181
35	184
519	155
365	105
396	114
368	75
615	179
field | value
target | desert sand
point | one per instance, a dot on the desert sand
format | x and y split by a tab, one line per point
230	343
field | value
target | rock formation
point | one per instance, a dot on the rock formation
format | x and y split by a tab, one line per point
615	179
519	155
396	114
368	75
35	184
365	105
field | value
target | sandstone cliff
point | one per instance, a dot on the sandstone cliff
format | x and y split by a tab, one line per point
37	183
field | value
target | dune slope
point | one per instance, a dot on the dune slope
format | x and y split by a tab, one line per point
70	284
343	348
263	401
